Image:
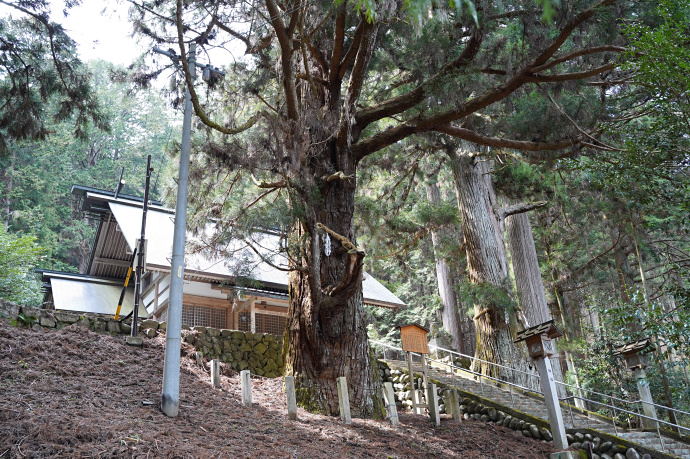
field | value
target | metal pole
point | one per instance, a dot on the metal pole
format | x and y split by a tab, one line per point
140	255
170	395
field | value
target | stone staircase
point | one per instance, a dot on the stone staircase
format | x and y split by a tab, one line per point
534	406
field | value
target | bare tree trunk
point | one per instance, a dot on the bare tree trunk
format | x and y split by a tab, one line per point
449	315
625	276
8	176
530	288
487	266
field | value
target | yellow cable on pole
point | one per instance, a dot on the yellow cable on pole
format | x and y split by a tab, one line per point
122	294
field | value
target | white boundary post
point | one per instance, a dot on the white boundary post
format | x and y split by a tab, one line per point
453	404
246	380
291	398
553	407
432	403
344	400
215	373
391	409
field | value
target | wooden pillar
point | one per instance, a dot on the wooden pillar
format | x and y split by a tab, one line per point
252	309
411	380
424	371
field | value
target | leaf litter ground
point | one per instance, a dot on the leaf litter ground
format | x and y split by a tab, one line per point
77	393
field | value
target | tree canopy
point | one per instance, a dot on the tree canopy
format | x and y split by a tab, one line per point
41	78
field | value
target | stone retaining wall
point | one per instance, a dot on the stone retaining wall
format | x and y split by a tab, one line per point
260	353
257	352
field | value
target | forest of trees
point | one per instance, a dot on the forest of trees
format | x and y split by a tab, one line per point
495	165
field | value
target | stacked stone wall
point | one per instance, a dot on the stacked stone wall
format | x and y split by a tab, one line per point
259	353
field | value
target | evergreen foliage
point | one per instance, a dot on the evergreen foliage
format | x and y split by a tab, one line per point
42	81
18	256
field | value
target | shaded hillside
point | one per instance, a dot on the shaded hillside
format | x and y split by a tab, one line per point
77	393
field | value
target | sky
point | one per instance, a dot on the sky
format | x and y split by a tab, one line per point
99	27
101	30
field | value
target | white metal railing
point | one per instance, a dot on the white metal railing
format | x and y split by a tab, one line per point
610	406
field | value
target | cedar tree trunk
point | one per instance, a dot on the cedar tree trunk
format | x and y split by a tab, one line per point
487	264
530	288
450	316
326	335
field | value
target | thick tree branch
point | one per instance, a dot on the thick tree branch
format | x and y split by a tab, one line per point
192	92
237	35
338	43
354	87
578	53
351	52
522	207
540	78
499	142
567	31
403	102
285	42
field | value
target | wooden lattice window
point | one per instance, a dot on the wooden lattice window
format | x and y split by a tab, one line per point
269	323
244	321
203	316
188	315
218	318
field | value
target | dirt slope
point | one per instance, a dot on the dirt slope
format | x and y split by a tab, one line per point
76	393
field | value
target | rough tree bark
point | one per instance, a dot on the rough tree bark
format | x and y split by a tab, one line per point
487	263
530	288
450	315
326	335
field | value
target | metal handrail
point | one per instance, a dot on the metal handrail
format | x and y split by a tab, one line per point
613	420
452	365
630	402
480	360
579	388
564	399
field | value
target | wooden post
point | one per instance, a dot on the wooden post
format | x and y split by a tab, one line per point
199	358
432	404
646	397
215	373
553	408
252	311
246	379
411	380
417	402
344	400
291	398
453	404
424	370
391	409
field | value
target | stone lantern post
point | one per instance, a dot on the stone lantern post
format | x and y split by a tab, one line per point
540	345
635	354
